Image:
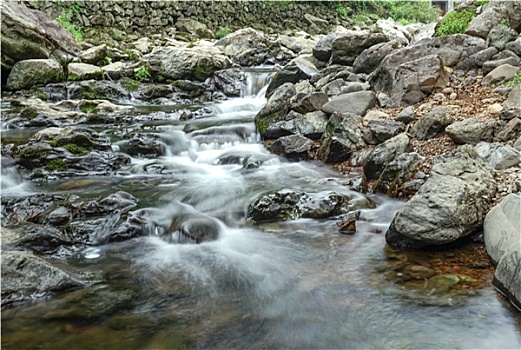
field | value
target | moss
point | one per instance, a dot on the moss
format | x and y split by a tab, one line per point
28	113
91	92
203	70
87	106
56	165
32	152
262	126
42	96
129	84
75	149
95	118
16	103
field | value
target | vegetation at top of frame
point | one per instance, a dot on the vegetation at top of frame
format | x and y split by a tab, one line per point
65	17
401	11
457	21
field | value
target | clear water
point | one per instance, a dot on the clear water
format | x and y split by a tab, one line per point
296	284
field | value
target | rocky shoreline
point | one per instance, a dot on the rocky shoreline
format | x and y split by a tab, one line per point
426	119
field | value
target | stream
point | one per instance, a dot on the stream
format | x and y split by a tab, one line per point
296	284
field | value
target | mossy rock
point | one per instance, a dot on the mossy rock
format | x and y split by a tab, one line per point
56	165
129	84
29	113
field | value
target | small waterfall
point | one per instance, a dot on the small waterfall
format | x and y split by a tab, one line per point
257	81
12	182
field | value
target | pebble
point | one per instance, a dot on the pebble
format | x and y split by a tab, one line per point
448	91
453	96
495	108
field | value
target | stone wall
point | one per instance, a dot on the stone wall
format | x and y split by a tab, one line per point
138	16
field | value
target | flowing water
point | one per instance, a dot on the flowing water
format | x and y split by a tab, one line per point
292	284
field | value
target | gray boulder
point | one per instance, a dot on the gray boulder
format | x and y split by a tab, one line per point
498	156
95	55
357	103
370	58
393	31
231	81
347	47
385	129
275	109
415	79
485	55
297	70
25	276
385	153
31	34
322	50
510	131
28	73
406	116
342	136
514	98
84	71
514	46
398	172
186	63
191	26
489	66
310	103
432	124
502	234
471	131
502	227
502	73
449	206
494	13
500	35
117	70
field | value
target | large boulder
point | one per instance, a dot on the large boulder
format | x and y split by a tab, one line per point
398	172
187	63
25	276
370	58
31	34
357	103
498	156
84	71
453	50
502	73
275	109
342	136
297	70
415	79
322	50
28	73
502	234
471	131
347	47
293	147
495	12
449	206
384	154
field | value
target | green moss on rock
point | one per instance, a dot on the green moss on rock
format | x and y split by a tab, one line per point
56	165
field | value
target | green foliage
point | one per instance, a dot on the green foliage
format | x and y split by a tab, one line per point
143	73
32	152
64	19
75	149
129	84
505	22
87	106
454	23
516	80
222	32
400	11
341	11
117	34
56	165
42	96
132	55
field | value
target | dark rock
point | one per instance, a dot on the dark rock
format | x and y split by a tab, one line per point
406	116
310	103
348	222
385	129
347	47
399	171
275	109
297	70
96	90
432	124
144	146
500	35
293	147
230	81
343	135
151	92
484	55
450	205
323	50
385	153
370	58
489	66
511	131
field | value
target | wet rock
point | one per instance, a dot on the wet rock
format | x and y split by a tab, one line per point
415	79
31	34
230	81
504	72
385	129
471	131
406	116
420	272
310	103
147	147
444	283
348	222
84	71
41	239
293	147
275	109
100	163
155	91
507	276
357	103
28	209
97	90
186	63
432	124
498	156
297	70
288	204
346	47
26	276
202	229
399	171
95	55
450	205
342	136
35	72
385	153
370	58
502	227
